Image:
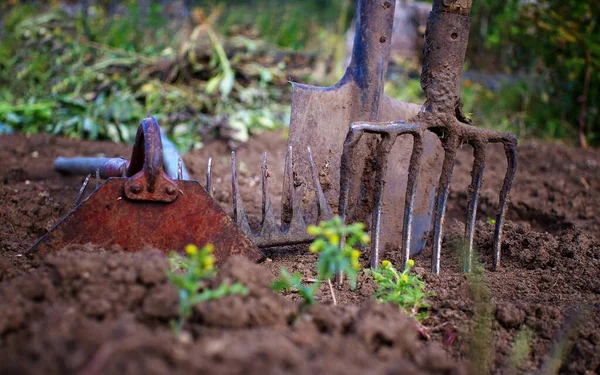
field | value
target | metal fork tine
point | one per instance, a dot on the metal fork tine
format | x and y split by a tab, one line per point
441	199
346	170
382	152
239	213
268	223
473	198
510	148
82	189
323	210
209	188
287	205
411	191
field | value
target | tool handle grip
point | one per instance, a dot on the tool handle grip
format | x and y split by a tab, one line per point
108	167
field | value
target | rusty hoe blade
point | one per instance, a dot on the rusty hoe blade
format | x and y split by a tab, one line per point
445	48
139	205
292	227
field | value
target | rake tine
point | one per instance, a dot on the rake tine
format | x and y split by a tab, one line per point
383	149
97	178
323	210
209	188
179	169
287	204
239	214
473	198
268	224
297	223
411	192
510	148
82	189
450	147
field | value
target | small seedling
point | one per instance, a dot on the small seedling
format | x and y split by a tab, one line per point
333	260
405	289
190	273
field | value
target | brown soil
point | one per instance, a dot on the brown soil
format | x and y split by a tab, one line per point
89	310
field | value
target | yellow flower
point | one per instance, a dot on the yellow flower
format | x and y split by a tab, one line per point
334	239
355	254
411	262
364	238
313	230
317	245
404	277
191	250
386	264
209	247
208	262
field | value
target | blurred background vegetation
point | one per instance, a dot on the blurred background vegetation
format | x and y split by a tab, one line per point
210	68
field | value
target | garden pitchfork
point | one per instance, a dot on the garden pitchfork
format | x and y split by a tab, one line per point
445	48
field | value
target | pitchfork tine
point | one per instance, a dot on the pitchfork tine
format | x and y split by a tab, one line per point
510	148
346	169
383	149
450	147
473	198
209	189
411	191
239	214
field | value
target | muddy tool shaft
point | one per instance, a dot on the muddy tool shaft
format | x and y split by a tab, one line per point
146	208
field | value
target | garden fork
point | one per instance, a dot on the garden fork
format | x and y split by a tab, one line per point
445	48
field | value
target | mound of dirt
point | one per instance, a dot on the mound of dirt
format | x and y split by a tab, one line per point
95	311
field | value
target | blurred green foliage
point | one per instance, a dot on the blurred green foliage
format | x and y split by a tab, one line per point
96	77
214	68
555	44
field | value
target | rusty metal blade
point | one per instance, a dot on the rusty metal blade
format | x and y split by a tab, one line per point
106	218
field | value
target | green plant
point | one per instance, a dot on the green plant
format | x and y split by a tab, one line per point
190	274
405	289
335	243
480	343
521	348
